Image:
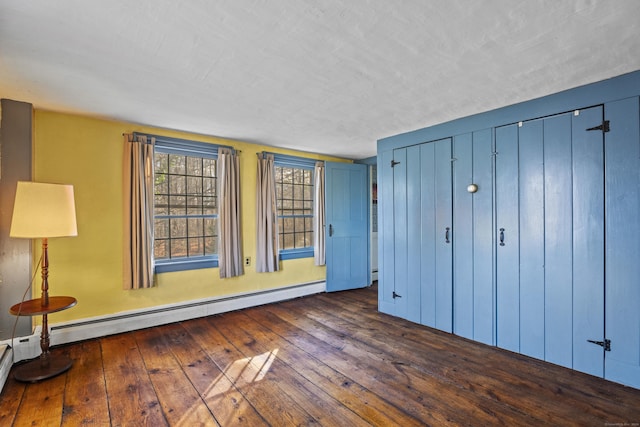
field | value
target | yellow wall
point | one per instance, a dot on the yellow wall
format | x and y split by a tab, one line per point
87	153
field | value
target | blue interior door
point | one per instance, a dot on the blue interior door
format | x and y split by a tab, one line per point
622	169
347	226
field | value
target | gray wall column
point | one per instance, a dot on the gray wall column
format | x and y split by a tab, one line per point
15	254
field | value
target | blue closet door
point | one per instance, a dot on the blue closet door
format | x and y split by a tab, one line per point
386	248
436	250
622	169
531	223
558	232
483	243
400	233
550	267
507	238
463	236
444	236
473	295
588	241
411	297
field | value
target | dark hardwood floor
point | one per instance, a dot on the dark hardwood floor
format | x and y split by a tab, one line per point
328	359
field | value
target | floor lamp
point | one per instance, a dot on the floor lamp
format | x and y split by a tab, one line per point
43	211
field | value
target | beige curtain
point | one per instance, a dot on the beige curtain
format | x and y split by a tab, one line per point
230	243
138	218
318	215
266	216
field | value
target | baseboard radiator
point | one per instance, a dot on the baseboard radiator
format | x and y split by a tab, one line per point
28	347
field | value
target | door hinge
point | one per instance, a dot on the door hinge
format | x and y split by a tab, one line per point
604	127
396	295
606	344
393	163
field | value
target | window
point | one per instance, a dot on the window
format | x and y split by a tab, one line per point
294	203
185	205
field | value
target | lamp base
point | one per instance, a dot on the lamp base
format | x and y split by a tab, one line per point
42	368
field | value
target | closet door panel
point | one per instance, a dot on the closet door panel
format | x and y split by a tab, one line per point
531	194
462	236
483	289
588	241
558	237
386	248
400	232
443	246
507	252
414	223
428	306
622	169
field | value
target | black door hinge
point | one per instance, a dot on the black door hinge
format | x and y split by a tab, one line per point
604	127
396	295
606	344
393	163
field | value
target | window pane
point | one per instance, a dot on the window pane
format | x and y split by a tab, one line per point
308	177
287	225
211	227
176	164
208	167
209	206
287	175
161	163
160	250
209	186
194	205
177	205
308	192
194	166
178	228
196	246
194	185
177	184
210	245
308	239
161	184
161	228
297	176
299	225
178	248
196	227
297	192
161	205
288	242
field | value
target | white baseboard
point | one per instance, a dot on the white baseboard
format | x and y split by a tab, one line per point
6	360
28	347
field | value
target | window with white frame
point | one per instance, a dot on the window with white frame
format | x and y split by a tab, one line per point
294	203
185	205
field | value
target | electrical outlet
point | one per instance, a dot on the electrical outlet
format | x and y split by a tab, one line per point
247	260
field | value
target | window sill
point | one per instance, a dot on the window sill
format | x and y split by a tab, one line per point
296	253
182	264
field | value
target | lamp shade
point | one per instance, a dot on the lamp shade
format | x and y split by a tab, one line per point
43	210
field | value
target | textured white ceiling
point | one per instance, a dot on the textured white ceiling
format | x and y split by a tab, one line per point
326	76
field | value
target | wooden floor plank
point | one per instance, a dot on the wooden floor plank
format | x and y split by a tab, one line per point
85	399
274	406
491	370
132	398
368	405
180	401
10	400
250	340
328	359
227	404
42	406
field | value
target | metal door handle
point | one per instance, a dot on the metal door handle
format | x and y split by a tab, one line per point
502	237
330	230
446	235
